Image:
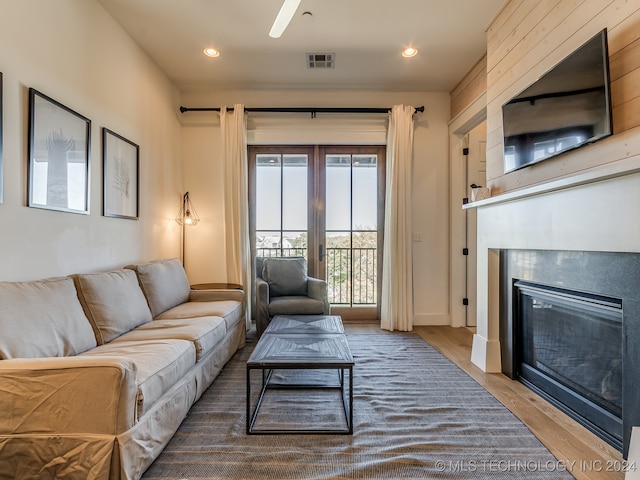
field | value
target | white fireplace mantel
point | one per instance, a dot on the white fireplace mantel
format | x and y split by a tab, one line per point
625	167
596	210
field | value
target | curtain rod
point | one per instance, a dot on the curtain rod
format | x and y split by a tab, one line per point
312	110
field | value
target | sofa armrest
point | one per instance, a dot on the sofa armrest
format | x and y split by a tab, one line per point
63	395
317	288
216	295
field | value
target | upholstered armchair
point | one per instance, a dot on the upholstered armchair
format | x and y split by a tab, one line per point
283	288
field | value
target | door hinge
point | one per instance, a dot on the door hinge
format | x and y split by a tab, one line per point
465	200
465	251
465	151
465	301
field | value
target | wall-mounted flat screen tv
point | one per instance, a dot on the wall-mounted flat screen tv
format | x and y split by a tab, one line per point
568	107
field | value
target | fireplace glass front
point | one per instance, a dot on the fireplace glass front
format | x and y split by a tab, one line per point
569	349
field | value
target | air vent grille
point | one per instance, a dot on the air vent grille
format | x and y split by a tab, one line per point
321	60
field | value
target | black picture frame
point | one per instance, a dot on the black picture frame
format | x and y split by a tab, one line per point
59	156
121	176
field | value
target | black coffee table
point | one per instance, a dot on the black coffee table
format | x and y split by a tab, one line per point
302	342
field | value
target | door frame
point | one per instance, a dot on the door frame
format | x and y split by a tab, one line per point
251	159
362	314
459	126
316	223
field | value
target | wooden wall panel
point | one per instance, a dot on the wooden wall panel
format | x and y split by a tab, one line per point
470	87
517	30
511	13
625	60
526	40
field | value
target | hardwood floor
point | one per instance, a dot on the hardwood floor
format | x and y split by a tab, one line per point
585	455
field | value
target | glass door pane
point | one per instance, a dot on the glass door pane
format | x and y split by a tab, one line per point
351	224
281	205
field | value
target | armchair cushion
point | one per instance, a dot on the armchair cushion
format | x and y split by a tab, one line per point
285	276
295	306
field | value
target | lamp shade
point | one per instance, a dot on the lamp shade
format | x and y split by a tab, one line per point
187	215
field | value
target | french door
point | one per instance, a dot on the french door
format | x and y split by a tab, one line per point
325	203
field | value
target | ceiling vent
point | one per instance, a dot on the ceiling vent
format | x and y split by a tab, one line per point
320	60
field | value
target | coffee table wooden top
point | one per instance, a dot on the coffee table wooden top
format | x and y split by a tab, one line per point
305	324
301	350
304	341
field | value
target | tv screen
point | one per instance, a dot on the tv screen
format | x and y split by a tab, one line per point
566	108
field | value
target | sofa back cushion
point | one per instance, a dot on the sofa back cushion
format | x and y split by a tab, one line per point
42	318
164	283
285	275
113	302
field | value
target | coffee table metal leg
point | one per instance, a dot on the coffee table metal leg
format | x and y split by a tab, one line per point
351	400
347	401
251	418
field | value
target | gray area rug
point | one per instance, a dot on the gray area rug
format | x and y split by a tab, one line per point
416	416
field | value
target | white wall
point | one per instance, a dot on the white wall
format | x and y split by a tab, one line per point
73	51
202	150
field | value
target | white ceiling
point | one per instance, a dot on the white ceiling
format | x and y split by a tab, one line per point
366	36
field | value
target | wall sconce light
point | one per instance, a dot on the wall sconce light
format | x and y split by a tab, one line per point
187	217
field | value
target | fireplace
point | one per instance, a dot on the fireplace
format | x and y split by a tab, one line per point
569	331
569	350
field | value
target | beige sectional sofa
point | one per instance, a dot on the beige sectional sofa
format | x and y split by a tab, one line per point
97	371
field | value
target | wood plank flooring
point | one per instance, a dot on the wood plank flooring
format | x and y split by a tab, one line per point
586	455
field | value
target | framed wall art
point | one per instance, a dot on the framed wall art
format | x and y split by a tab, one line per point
120	168
58	168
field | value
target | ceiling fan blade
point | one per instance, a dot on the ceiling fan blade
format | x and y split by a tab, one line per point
285	15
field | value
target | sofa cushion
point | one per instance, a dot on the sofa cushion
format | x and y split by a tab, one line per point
231	310
159	363
42	318
285	275
164	283
113	302
205	332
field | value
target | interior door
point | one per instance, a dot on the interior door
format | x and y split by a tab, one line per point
476	174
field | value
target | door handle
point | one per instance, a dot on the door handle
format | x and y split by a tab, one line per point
320	252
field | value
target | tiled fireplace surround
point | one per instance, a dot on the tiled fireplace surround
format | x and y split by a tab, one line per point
597	211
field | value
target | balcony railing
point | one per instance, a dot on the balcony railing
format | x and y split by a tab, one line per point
352	273
281	252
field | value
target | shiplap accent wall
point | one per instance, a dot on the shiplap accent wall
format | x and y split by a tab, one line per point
528	38
470	87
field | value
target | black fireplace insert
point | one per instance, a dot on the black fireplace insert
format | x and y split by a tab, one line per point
578	341
569	349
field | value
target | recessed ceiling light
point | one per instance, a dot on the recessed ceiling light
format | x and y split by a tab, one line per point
410	52
211	52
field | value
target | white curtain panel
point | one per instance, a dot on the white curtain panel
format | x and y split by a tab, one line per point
396	303
233	127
